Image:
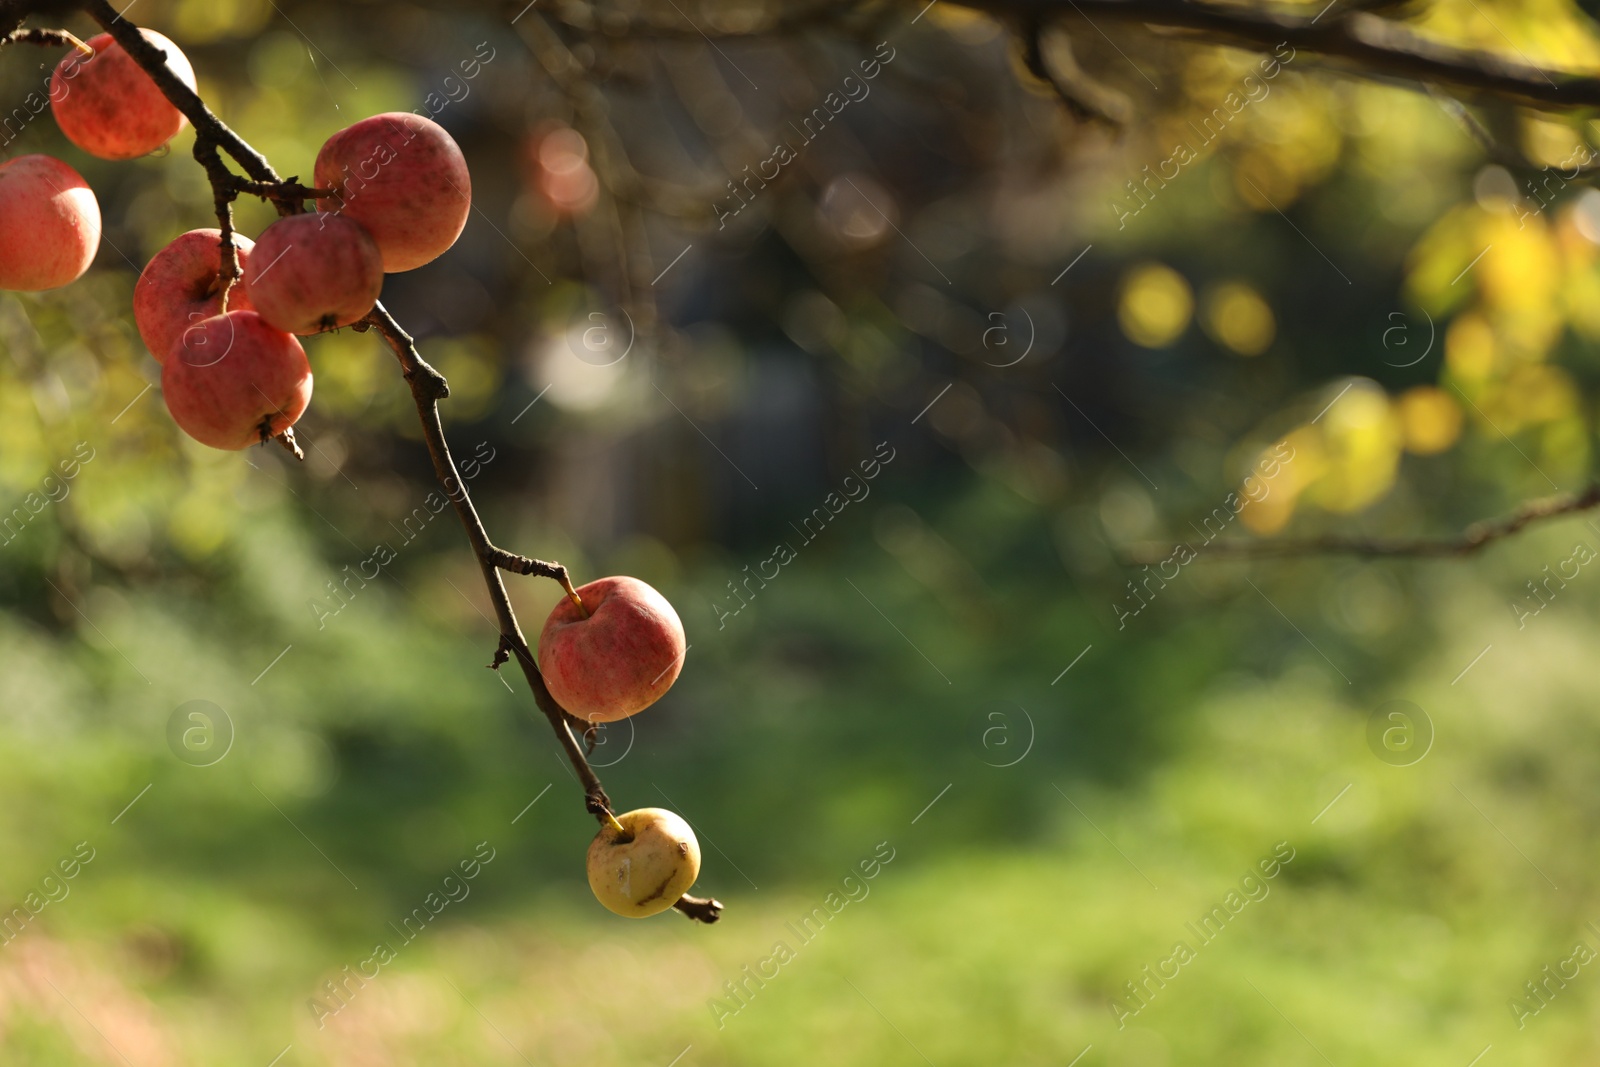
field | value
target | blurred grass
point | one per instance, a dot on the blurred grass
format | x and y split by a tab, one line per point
381	751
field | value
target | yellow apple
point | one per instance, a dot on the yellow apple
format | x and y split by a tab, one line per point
642	862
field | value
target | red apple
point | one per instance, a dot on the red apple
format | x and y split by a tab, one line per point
619	659
314	272
403	178
109	107
49	224
182	286
233	381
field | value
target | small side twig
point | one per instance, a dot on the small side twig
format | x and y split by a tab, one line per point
589	731
48	39
221	178
288	189
1506	156
510	561
1084	98
701	909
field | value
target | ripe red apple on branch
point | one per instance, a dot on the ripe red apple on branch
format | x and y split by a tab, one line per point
313	273
233	381
109	107
402	177
614	656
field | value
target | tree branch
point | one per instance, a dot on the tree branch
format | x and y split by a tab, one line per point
1474	539
1374	45
427	386
791	18
222	197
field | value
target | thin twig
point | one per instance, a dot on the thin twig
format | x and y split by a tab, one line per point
288	189
1081	95
428	387
1474	539
700	909
510	561
791	18
1506	156
47	38
206	154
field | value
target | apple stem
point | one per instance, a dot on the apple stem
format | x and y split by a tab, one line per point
572	594
615	825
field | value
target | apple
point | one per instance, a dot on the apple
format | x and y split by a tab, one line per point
313	273
616	655
49	224
182	286
233	381
641	862
109	107
402	177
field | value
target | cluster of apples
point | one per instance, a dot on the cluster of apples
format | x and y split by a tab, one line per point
604	659
233	373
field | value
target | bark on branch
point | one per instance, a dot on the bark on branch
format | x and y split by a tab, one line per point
1371	44
428	387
